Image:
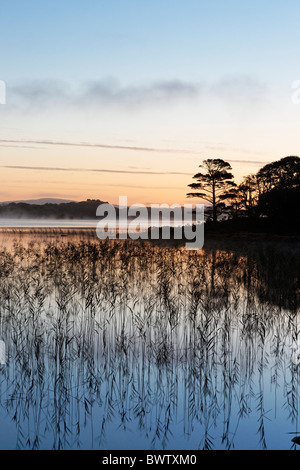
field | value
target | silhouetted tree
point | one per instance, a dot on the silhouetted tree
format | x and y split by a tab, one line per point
248	193
214	184
279	199
243	198
284	173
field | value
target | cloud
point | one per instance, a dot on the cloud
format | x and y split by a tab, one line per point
53	95
45	95
142	186
22	144
240	90
86	144
247	162
159	93
19	146
93	170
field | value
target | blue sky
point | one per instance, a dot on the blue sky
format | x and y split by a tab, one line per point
196	78
138	40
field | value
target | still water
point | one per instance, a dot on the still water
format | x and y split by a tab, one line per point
47	223
81	223
128	345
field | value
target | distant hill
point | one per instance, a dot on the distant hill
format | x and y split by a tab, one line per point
66	210
40	201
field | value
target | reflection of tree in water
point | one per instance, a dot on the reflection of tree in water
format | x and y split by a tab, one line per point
123	337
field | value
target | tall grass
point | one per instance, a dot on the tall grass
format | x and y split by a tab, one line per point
148	342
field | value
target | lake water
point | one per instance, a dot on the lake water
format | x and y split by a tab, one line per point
47	223
81	223
128	345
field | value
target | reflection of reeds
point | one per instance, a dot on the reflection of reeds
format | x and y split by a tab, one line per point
137	338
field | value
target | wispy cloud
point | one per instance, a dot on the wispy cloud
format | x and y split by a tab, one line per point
42	95
19	146
93	170
240	90
247	162
91	145
27	143
133	96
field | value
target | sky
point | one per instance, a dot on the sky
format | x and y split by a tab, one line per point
128	97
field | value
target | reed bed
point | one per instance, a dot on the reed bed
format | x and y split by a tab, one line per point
122	341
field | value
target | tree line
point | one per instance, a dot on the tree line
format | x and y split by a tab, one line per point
273	193
67	210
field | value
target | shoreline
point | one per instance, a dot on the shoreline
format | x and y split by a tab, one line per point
217	239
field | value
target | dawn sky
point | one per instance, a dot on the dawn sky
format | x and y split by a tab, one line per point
127	97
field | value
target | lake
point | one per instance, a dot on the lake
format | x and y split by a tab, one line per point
47	223
131	345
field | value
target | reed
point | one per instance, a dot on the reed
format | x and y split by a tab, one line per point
122	338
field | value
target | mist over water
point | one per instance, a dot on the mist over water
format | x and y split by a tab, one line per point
74	223
32	223
128	345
